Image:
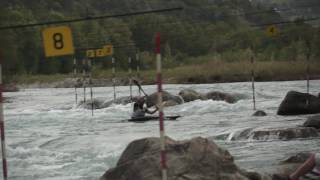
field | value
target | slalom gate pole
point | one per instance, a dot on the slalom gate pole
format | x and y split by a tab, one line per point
3	142
75	76
308	66
114	77
90	83
160	106
138	69
252	82
84	79
130	77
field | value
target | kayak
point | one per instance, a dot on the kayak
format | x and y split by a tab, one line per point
152	118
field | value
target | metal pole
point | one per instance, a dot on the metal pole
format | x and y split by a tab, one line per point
252	81
308	66
84	79
3	144
114	77
75	76
130	76
138	70
160	106
90	83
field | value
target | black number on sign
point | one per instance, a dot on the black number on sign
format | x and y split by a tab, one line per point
58	41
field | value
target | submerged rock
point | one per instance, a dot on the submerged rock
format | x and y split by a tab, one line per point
271	134
285	134
10	88
100	104
259	113
220	96
195	159
172	100
296	103
190	95
313	121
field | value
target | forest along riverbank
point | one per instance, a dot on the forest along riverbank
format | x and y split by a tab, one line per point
210	72
50	137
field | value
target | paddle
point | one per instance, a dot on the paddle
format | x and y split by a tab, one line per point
139	86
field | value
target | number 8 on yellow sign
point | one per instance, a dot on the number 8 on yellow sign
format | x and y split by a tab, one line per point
57	41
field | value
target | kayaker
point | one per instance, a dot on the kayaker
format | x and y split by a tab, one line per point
139	110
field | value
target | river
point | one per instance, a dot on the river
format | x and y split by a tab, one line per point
49	138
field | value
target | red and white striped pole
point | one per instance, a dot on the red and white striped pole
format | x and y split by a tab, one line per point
160	106
3	142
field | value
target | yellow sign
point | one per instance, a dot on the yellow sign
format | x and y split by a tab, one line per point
100	53
91	53
272	31
57	41
108	50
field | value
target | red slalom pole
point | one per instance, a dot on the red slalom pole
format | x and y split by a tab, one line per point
3	144
160	106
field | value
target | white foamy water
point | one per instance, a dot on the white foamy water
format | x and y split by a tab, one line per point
48	138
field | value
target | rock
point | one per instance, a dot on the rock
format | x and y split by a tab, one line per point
195	159
285	134
296	103
313	121
153	99
100	104
259	113
10	88
97	104
220	96
190	95
271	134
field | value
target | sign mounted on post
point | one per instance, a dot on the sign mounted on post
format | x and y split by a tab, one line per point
90	53
100	53
57	41
108	49
272	31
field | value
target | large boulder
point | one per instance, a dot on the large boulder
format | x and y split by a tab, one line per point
296	103
170	99
195	159
220	96
190	95
313	121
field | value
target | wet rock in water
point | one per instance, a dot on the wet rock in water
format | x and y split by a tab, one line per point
153	99
285	134
296	103
100	104
194	159
190	95
272	134
259	113
313	121
10	88
88	104
220	96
